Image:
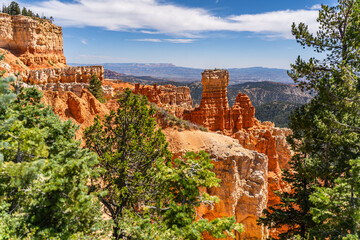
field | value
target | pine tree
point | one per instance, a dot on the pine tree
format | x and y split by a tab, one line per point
326	131
96	88
43	173
4	8
24	12
149	195
14	8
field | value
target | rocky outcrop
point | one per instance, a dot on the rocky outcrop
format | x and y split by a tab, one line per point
171	98
11	63
243	173
214	112
77	88
38	43
63	75
80	109
73	79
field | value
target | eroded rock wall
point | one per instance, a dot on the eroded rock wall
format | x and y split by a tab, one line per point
243	188
63	75
38	43
171	98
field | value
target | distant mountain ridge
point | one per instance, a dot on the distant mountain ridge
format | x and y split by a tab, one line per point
172	72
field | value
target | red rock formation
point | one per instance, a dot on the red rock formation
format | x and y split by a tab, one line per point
80	109
171	98
36	42
72	79
214	113
243	113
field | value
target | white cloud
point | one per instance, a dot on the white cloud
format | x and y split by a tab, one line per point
148	40
84	42
276	24
316	7
155	16
172	40
181	40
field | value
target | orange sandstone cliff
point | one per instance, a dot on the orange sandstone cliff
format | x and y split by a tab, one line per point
34	48
243	188
38	43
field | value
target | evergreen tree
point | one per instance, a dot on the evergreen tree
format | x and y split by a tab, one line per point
43	173
96	88
149	196
4	8
24	12
14	8
326	131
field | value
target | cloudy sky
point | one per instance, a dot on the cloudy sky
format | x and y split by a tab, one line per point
191	33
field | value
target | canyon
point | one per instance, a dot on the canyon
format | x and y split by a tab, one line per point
248	184
248	155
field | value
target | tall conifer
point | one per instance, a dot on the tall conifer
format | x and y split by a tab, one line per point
326	139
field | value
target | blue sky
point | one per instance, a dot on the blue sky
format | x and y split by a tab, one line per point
190	33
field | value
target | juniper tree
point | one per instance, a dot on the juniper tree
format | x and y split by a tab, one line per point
326	131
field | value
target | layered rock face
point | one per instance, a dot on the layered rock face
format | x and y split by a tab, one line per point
243	188
72	79
171	98
214	112
36	42
77	88
63	75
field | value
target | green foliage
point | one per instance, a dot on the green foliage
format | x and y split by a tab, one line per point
149	196
96	88
276	112
14	9
43	173
326	131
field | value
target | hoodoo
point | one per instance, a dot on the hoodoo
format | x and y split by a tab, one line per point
214	112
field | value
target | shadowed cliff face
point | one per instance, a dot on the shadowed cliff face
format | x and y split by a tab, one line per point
36	42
